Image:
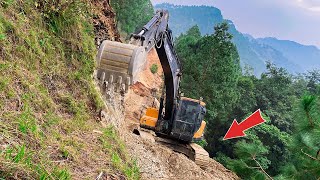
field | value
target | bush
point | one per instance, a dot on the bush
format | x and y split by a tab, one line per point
154	68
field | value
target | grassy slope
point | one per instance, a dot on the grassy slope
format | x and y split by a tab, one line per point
48	103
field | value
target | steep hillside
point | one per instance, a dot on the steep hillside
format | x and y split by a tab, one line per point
256	55
49	123
253	52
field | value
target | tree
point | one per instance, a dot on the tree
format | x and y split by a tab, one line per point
313	78
305	161
132	14
275	96
260	154
211	69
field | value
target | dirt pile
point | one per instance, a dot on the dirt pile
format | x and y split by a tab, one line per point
159	162
155	160
144	93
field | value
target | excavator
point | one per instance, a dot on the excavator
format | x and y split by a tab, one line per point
179	121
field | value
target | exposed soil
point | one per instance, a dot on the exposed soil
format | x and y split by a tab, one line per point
144	93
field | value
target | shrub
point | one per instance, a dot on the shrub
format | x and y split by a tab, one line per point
154	68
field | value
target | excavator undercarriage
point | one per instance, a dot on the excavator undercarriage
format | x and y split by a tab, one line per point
192	150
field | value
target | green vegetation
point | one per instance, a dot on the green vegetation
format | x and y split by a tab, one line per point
154	68
119	158
132	14
287	145
48	102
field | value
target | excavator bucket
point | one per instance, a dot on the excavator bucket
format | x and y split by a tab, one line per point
118	64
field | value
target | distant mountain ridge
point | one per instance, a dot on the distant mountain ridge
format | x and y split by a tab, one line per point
295	57
307	57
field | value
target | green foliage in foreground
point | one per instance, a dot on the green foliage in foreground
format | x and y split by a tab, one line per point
119	158
287	145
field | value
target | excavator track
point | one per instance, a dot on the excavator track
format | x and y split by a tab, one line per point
193	151
201	156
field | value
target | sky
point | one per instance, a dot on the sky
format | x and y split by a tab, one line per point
297	20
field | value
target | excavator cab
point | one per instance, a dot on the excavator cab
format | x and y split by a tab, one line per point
188	120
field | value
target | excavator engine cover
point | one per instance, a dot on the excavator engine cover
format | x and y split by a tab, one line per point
119	63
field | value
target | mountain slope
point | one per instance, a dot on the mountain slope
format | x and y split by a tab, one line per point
308	57
183	18
253	52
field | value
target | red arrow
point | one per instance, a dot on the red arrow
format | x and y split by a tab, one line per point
237	130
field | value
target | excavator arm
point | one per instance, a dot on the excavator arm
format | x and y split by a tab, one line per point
120	63
156	33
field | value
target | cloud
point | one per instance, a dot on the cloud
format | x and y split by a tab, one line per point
315	9
312	2
310	5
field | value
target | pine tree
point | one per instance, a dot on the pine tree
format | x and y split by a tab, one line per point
305	147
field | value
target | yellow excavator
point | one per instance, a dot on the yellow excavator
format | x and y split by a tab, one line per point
179	121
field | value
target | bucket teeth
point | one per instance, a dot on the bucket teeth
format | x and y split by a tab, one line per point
119	84
111	79
103	77
119	64
128	84
102	80
120	79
